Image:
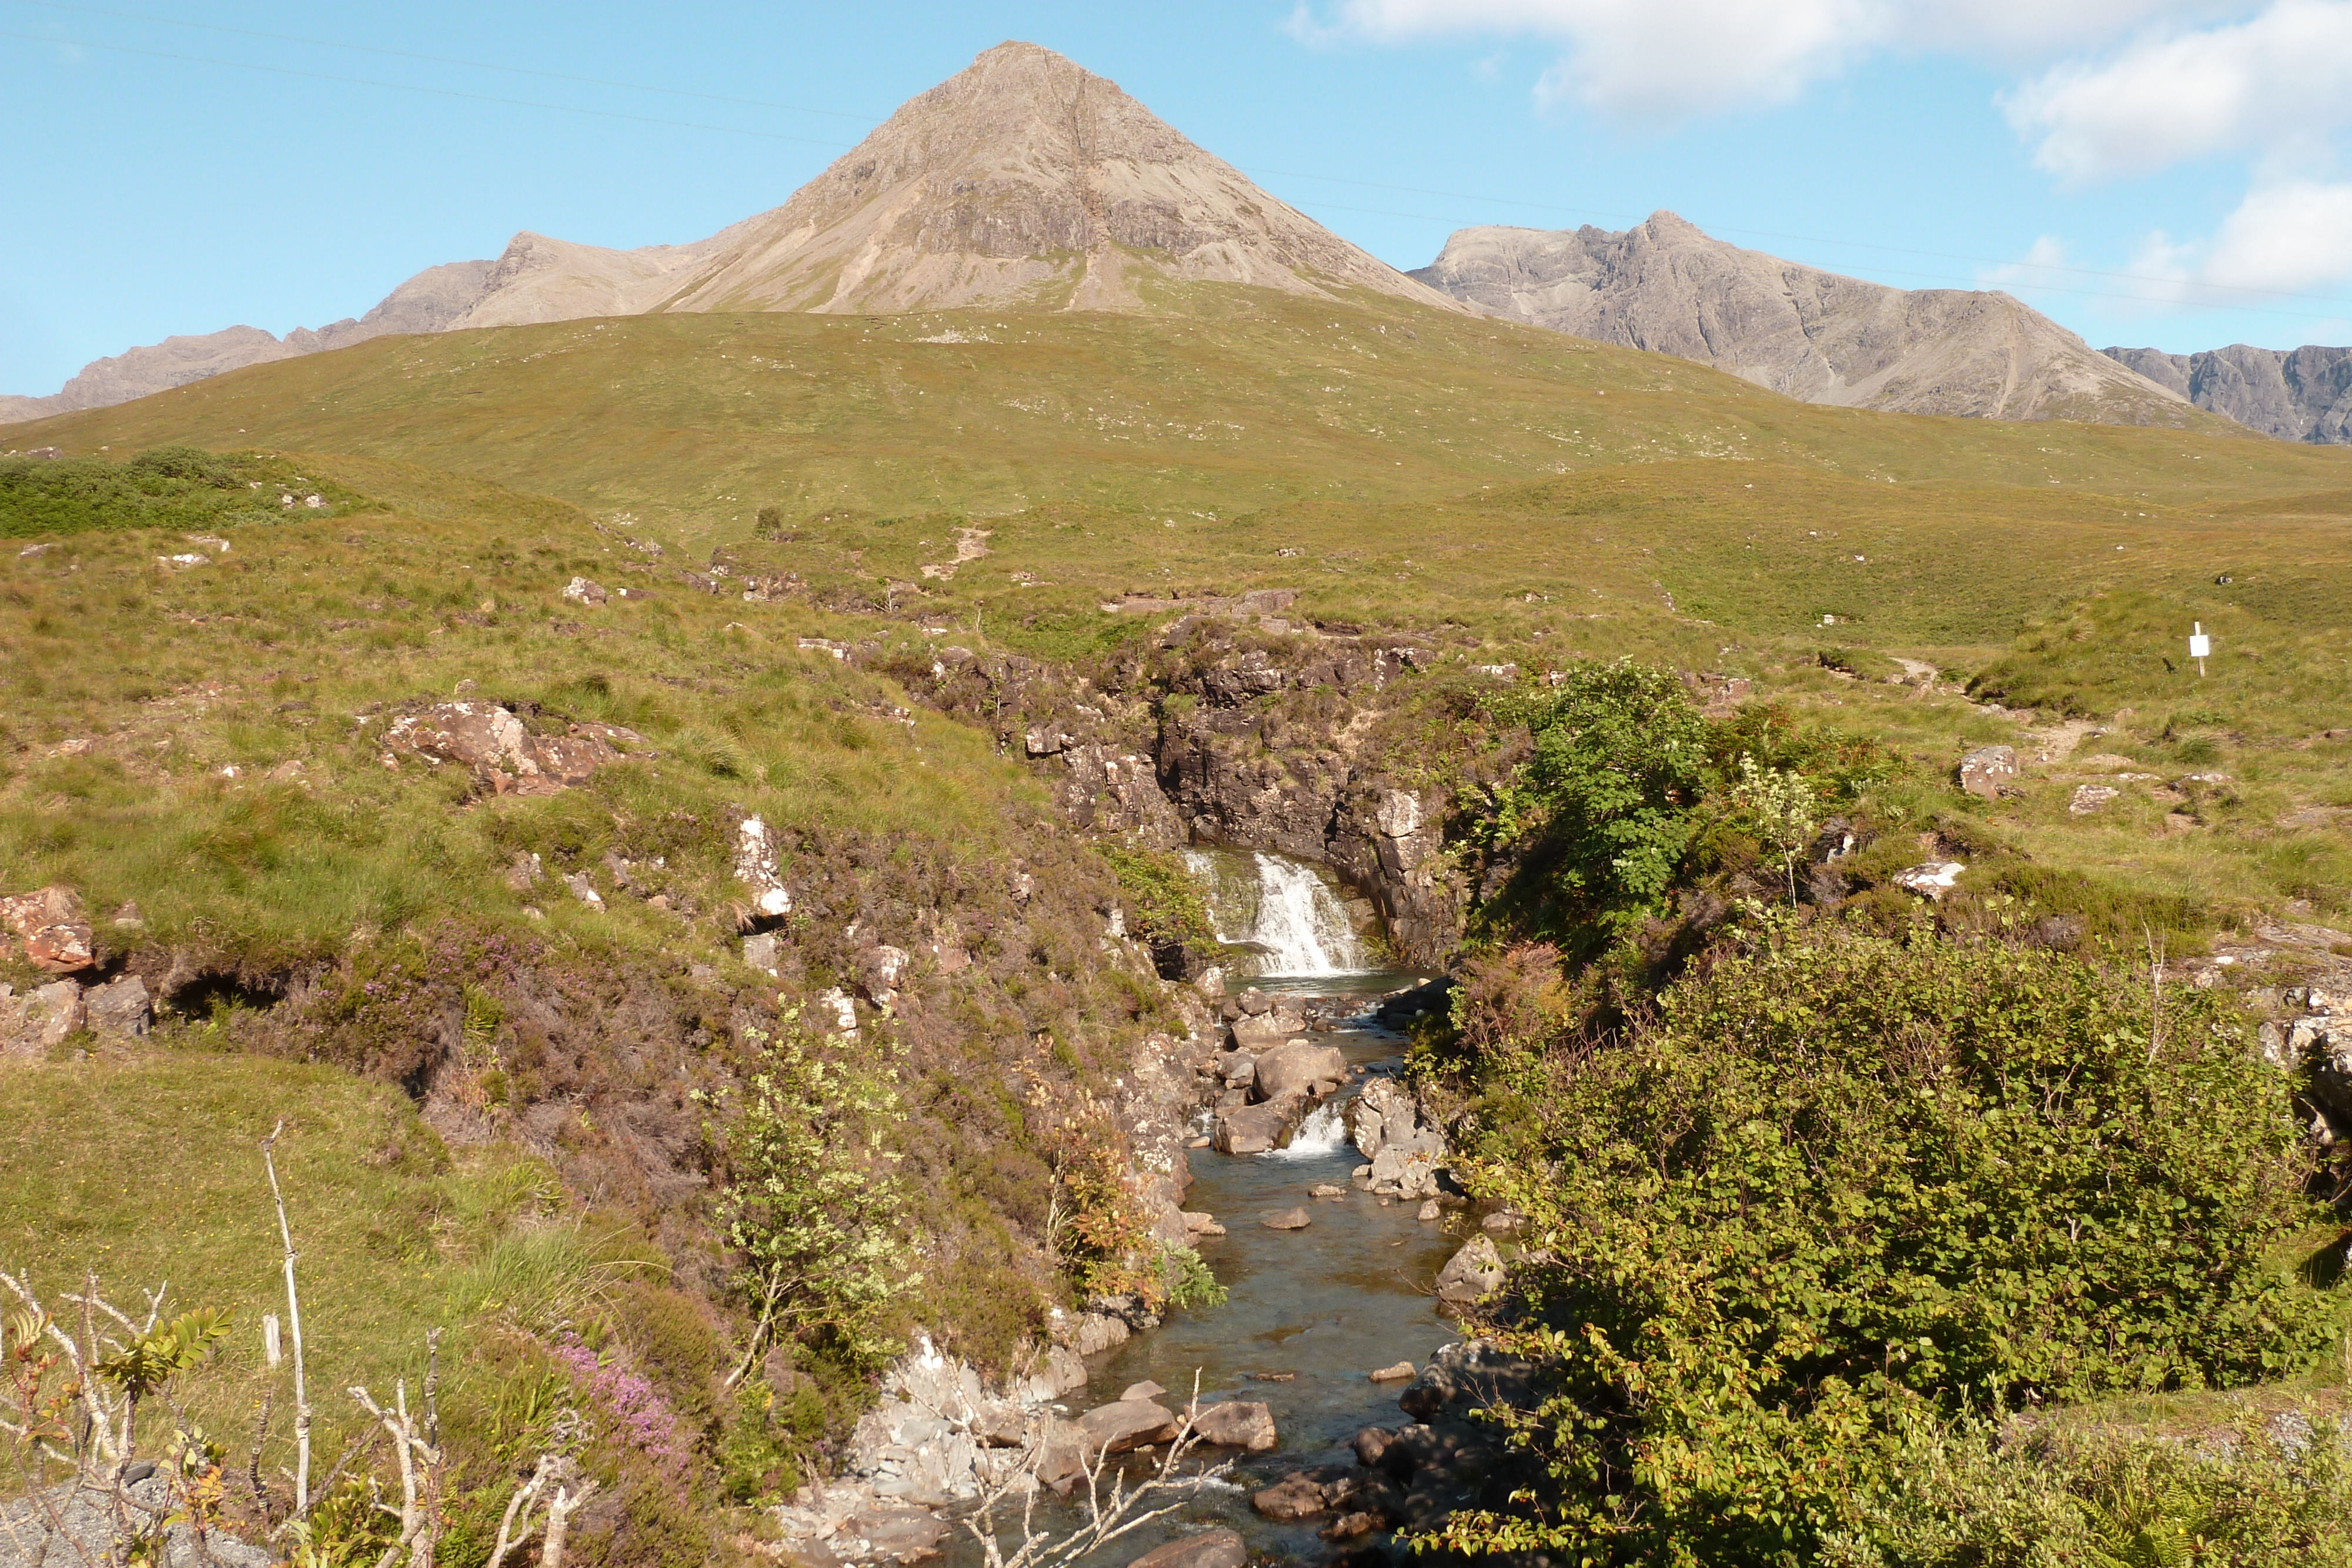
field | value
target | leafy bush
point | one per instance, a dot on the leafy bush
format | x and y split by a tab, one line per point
1097	1231
813	1204
1845	1183
1164	899
1604	812
1192	1283
2265	1492
164	487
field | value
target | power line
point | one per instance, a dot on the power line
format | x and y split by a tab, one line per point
411	87
441	59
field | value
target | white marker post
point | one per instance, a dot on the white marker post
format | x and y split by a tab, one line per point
2200	647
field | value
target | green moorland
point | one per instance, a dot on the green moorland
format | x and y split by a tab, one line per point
193	737
1903	589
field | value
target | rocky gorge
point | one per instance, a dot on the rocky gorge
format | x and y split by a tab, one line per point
1314	1184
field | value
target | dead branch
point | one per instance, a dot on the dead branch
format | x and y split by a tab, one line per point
1109	1516
302	1498
559	1521
421	1467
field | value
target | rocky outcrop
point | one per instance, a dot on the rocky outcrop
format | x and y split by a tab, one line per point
2313	1044
50	923
2296	394
1985	770
93	1519
1237	726
1667	287
504	753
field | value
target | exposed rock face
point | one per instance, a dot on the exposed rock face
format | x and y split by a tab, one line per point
120	1007
1667	287
56	935
82	1522
2296	394
1023	180
492	740
1984	770
39	1020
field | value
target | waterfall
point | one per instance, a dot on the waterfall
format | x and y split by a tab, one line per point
1280	908
1323	1134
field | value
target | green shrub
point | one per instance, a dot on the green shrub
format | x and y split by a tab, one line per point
1603	814
164	487
1845	1183
813	1204
2257	1493
1190	1281
1164	898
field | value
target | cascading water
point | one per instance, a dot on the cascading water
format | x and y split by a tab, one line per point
1280	908
1321	1135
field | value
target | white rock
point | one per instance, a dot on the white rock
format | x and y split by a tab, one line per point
1400	813
1933	879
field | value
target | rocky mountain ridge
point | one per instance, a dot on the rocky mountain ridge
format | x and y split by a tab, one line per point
1667	287
429	302
2296	394
1025	181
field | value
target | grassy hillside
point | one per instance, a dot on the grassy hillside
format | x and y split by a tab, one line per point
192	735
1249	398
509	1105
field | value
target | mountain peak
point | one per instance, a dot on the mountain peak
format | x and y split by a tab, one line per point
1023	180
1668	285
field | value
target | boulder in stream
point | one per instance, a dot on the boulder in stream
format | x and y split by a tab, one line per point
1468	1373
1402	1371
1381	1112
1294	1497
1246	1424
1127	1424
1406	1170
1471	1272
1209	1548
1300	1067
900	1535
1287	1219
1272	1029
1255	1129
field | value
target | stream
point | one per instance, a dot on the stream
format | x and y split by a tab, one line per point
1310	1312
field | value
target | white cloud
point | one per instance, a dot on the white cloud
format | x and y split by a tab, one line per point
2044	264
1666	60
2285	237
2275	84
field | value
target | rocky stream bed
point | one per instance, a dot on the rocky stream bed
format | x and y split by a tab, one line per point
1330	1381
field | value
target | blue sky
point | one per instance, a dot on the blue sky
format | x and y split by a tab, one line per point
2148	172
